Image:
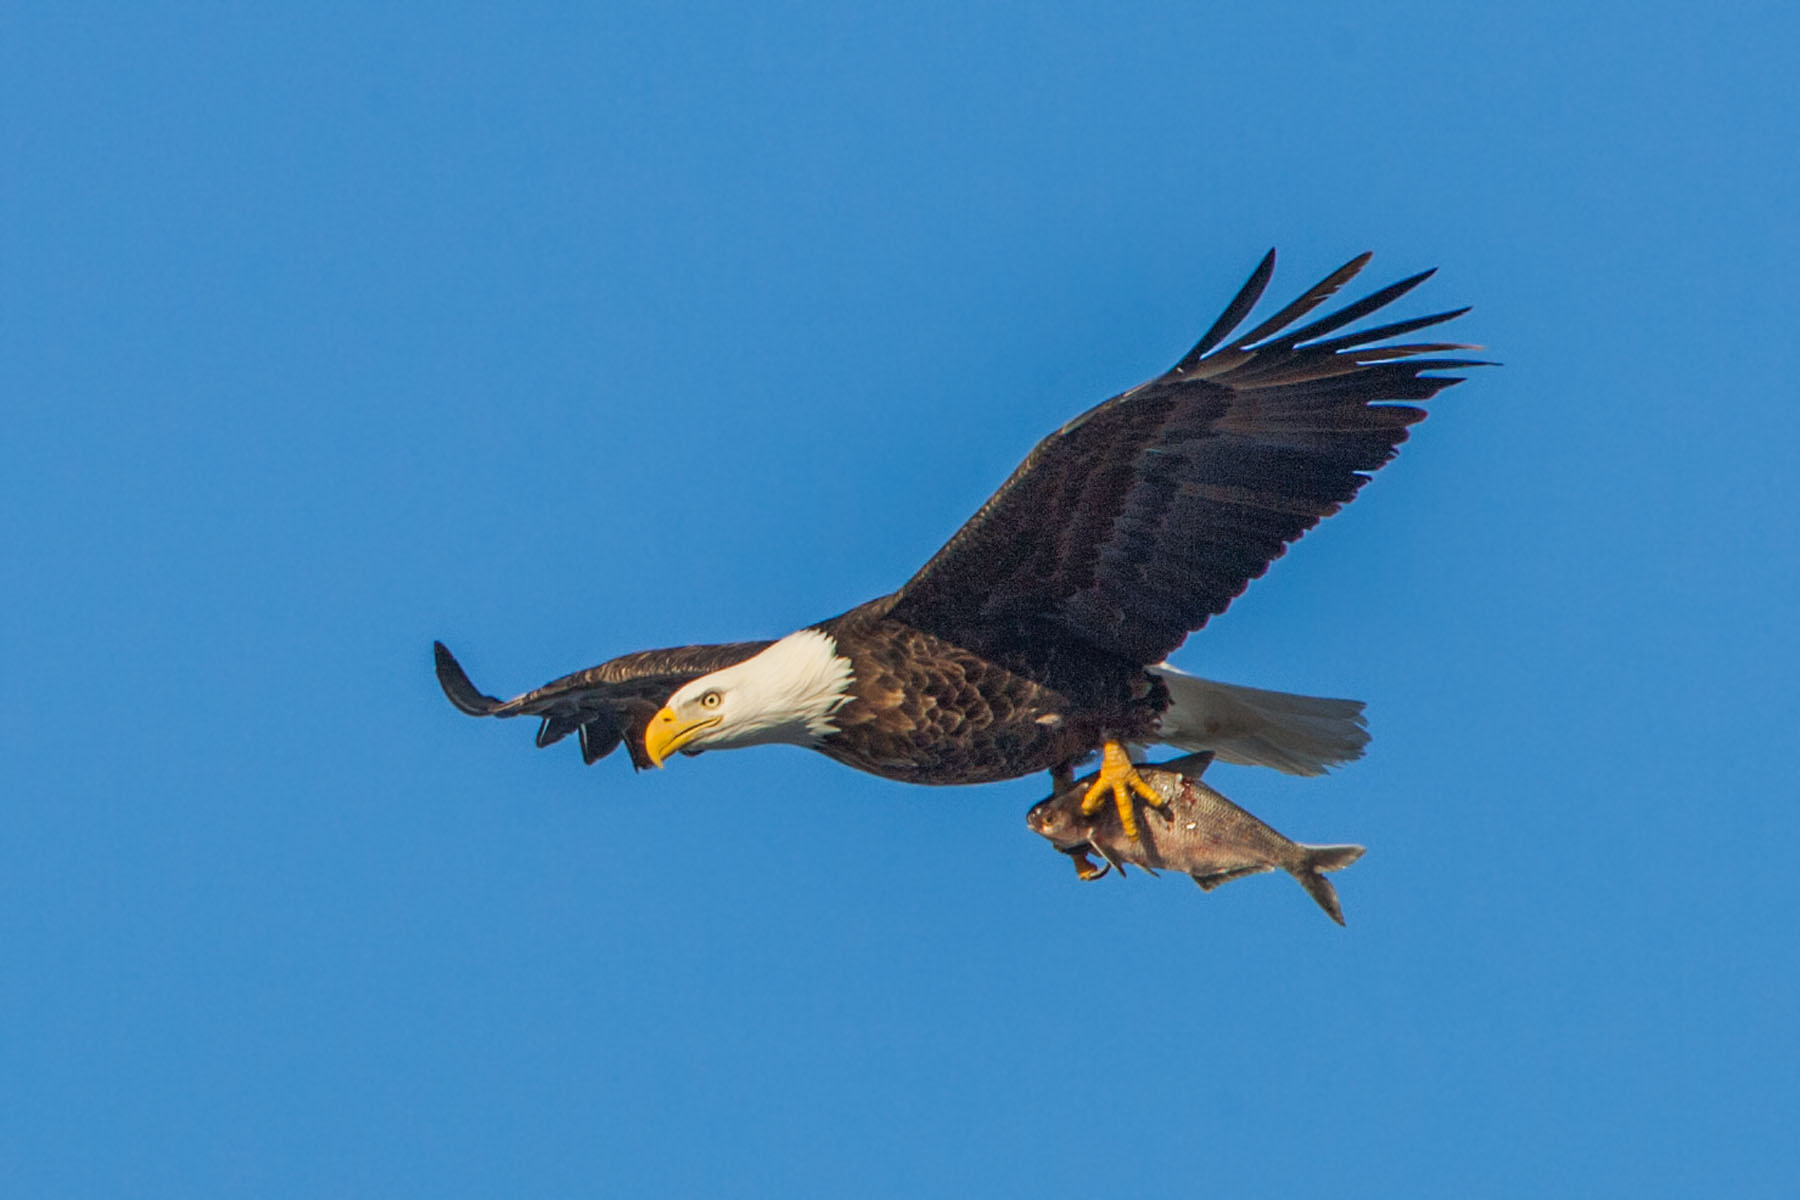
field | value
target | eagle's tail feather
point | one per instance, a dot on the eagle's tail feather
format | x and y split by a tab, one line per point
1301	735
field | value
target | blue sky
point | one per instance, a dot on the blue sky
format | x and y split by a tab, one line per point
560	331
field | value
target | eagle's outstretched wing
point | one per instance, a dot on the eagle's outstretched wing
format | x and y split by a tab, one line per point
607	704
1137	521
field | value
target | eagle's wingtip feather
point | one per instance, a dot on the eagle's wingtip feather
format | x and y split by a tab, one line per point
457	687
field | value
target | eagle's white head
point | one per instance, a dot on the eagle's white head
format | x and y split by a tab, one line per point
787	693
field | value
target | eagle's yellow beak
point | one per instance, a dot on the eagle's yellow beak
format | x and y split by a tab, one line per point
666	734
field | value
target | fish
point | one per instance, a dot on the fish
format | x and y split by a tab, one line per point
1195	830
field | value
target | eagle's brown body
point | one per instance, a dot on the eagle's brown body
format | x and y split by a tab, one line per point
925	710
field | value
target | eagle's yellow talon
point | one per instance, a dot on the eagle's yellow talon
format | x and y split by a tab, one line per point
1085	868
1127	820
1119	778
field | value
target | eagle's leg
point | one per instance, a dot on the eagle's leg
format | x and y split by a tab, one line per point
1062	778
1119	777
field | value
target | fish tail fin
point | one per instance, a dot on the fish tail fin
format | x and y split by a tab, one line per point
1301	735
1310	872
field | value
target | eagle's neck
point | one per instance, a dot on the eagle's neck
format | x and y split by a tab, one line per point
788	692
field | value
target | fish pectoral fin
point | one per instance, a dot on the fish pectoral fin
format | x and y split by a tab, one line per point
1111	862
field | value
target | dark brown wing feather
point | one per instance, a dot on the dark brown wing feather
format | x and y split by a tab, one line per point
1140	519
607	704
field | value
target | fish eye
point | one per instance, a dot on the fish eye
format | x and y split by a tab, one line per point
710	700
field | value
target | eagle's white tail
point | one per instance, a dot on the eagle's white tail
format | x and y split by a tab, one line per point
1302	735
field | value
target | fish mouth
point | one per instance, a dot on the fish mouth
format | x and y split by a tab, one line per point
666	734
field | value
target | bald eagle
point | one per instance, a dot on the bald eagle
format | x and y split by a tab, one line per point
1039	634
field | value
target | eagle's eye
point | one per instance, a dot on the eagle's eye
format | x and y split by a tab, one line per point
710	700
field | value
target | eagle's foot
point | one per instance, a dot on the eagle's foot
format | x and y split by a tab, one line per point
1119	777
1085	868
